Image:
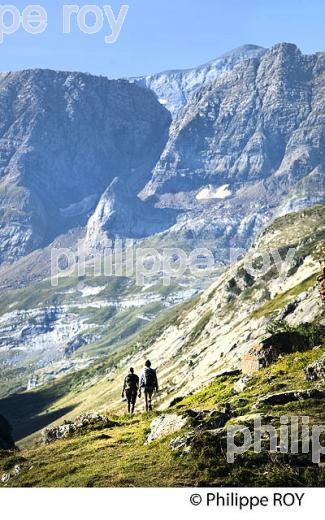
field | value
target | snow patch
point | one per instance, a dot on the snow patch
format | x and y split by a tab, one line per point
90	291
209	192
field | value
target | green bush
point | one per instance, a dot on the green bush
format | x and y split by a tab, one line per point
312	333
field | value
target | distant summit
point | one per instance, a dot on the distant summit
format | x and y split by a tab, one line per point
175	87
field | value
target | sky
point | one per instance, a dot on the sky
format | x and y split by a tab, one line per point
159	35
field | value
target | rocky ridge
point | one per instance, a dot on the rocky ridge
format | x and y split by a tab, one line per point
174	88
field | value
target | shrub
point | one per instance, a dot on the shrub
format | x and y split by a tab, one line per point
311	332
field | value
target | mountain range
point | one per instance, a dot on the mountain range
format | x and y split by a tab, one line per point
227	157
175	87
245	146
205	157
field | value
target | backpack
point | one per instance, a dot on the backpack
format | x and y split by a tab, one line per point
131	382
150	377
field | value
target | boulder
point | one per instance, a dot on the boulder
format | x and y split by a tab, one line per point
241	384
165	425
316	370
269	350
287	397
209	419
83	423
182	442
6	440
215	421
185	442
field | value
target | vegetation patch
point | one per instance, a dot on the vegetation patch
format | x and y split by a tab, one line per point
279	301
199	328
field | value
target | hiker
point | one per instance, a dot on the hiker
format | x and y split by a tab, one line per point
149	384
130	389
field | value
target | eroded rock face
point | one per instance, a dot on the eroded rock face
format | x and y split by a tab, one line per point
269	350
242	141
121	213
175	87
235	156
63	138
247	125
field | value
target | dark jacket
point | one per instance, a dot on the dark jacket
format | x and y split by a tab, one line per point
131	382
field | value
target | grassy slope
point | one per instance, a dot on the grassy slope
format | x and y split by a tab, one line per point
279	301
88	389
118	456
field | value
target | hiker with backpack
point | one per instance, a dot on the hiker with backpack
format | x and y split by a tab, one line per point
130	389
149	384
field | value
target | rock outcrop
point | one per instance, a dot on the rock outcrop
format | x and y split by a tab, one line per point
316	371
120	213
82	424
165	425
64	137
203	420
288	397
269	350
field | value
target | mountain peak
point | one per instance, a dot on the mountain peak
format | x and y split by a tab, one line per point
285	47
174	88
237	51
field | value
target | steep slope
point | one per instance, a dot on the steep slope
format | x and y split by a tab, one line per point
63	138
121	214
234	313
192	451
175	87
193	344
47	331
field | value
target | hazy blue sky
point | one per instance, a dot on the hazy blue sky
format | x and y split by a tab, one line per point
164	34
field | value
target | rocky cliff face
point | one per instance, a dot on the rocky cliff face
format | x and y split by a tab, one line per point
175	87
63	138
121	214
246	147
